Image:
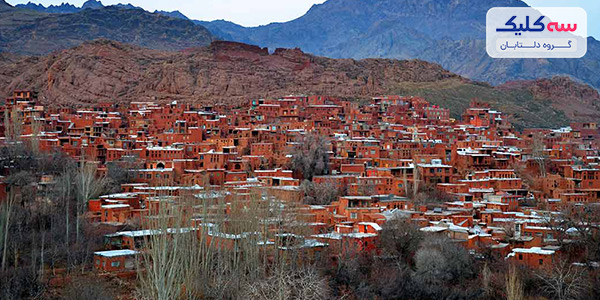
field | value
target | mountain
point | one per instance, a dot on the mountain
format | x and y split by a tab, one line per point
63	8
92	4
104	70
173	14
66	8
577	101
30	32
449	32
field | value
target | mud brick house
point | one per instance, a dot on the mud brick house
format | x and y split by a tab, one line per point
115	261
115	213
435	172
535	257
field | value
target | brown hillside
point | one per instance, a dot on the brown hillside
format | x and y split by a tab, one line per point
229	72
224	71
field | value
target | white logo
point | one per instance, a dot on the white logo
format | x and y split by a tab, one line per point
536	32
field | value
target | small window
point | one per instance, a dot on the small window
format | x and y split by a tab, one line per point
115	264
353	215
541	262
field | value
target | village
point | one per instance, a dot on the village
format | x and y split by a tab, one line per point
341	168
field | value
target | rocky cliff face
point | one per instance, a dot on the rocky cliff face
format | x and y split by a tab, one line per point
229	72
105	70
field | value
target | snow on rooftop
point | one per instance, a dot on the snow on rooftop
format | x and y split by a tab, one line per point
533	250
111	206
372	224
116	253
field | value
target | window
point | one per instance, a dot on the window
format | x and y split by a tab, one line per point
353	215
115	264
541	262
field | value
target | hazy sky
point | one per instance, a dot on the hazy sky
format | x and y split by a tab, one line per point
260	12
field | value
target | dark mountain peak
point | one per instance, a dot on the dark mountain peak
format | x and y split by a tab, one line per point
3	3
173	14
61	9
127	6
448	32
29	5
92	4
41	33
70	8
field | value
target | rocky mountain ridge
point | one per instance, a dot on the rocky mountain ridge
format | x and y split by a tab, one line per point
448	32
29	32
66	8
229	72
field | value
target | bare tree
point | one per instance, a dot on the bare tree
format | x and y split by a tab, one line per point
36	128
310	156
16	183
64	192
430	194
120	171
399	237
416	178
302	284
164	255
321	193
457	265
431	267
88	185
537	152
577	226
367	189
564	281
513	285
13	125
5	222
